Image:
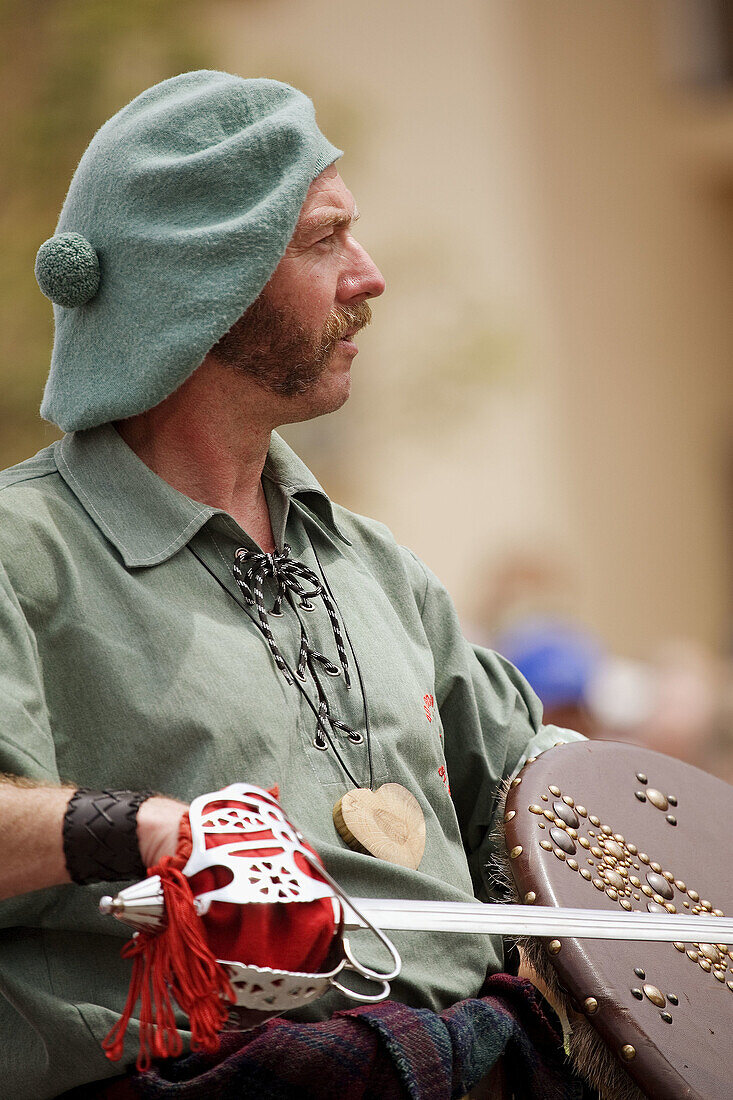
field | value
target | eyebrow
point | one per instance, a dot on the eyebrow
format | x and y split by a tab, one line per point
339	219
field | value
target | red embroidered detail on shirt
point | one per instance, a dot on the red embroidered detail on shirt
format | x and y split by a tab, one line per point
444	776
428	703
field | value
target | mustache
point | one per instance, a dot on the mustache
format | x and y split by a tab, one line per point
345	319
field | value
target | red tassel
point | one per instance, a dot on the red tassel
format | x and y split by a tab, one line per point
176	961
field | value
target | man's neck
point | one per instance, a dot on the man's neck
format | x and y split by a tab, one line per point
202	443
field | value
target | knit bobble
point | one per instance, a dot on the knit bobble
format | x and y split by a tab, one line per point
67	270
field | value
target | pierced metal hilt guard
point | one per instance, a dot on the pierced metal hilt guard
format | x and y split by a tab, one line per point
246	811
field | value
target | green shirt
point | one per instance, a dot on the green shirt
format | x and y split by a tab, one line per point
125	663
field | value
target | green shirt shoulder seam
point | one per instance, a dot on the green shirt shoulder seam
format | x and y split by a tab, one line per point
414	556
18	475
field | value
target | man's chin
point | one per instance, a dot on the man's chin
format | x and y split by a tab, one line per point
327	395
330	397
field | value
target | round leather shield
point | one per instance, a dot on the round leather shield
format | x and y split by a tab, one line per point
596	825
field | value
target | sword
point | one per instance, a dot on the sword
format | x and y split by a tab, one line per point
539	920
142	907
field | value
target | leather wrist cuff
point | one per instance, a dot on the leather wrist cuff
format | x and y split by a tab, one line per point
100	836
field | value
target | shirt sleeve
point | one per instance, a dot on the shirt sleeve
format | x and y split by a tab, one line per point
492	723
26	743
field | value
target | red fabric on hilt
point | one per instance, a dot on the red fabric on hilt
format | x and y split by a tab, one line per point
181	960
290	936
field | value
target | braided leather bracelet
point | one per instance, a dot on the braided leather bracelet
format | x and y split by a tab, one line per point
100	836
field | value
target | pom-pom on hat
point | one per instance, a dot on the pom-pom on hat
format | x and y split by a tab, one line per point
176	217
67	270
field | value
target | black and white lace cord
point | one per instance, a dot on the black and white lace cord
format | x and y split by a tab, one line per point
362	689
287	573
288	585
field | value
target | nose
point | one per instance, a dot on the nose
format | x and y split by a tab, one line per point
361	279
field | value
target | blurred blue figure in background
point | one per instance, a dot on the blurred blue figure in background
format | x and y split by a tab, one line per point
561	661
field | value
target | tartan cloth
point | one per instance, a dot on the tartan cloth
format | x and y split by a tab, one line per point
386	1051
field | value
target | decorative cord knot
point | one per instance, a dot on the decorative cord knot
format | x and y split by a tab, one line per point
293	581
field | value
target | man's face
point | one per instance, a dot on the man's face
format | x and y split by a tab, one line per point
296	339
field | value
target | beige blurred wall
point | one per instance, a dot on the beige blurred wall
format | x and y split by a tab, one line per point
636	235
548	373
547	380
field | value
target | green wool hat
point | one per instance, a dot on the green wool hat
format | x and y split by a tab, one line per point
178	214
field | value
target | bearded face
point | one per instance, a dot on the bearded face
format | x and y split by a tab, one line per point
269	344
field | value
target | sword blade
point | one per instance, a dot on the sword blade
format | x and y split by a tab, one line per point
142	906
539	920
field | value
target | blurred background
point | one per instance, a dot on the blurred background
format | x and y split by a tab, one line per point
543	406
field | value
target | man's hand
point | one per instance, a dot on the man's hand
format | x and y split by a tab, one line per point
158	822
31	824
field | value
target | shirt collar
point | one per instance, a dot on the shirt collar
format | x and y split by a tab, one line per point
145	518
296	483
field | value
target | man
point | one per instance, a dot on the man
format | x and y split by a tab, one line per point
208	288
